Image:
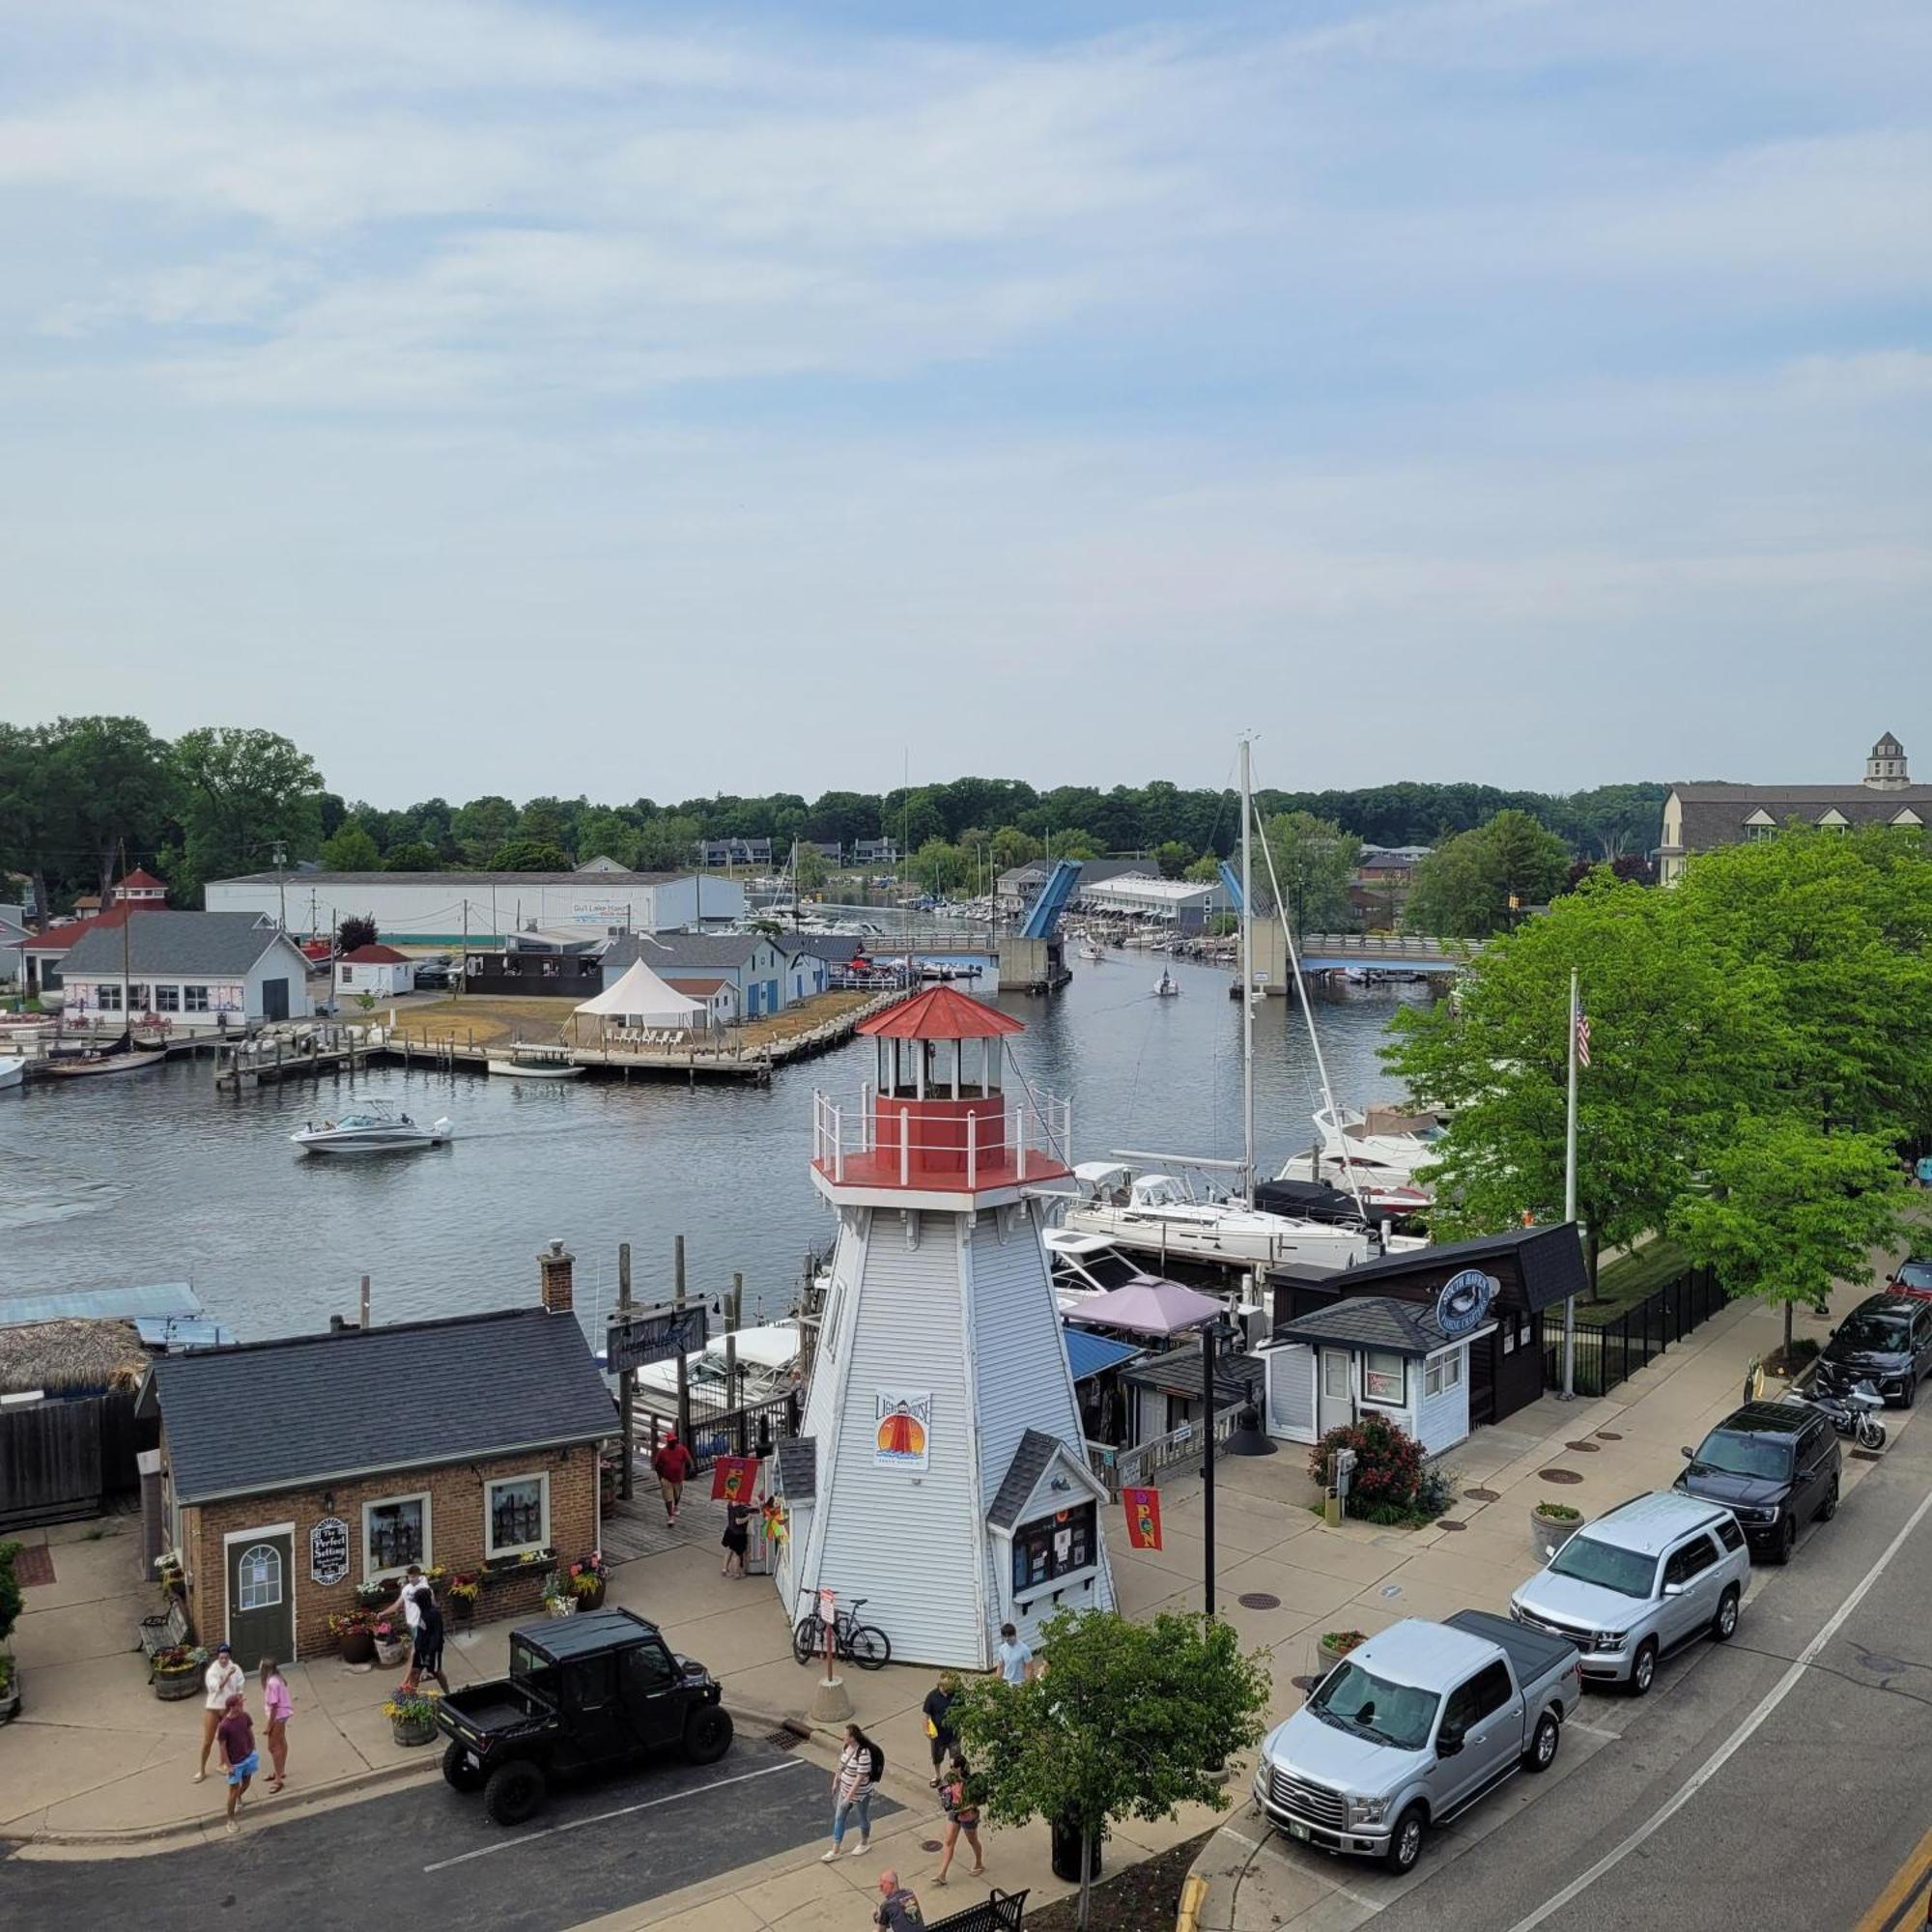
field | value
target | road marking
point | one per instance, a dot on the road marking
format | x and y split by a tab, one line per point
1594	1731
1738	1738
604	1817
1889	1908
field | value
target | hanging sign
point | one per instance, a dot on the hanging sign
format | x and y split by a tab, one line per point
902	1421
1143	1508
658	1335
733	1478
1464	1301
329	1550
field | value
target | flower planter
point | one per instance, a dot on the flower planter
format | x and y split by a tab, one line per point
172	1686
389	1653
592	1598
1550	1533
1332	1653
412	1731
462	1610
358	1646
560	1606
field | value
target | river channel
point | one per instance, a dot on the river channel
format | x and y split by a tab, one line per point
103	1183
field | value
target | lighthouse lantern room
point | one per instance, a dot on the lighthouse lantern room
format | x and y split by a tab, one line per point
942	1470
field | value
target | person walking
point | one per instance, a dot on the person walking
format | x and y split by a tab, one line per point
235	1735
897	1909
736	1537
404	1602
223	1679
861	1763
277	1708
962	1814
674	1465
1015	1655
426	1651
939	1732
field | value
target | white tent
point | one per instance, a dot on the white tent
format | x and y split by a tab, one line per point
641	999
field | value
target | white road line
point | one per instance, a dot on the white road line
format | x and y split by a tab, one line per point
1729	1748
604	1817
1594	1731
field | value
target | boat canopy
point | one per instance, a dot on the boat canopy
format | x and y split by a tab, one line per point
1102	1173
642	999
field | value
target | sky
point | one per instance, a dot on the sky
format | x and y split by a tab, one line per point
665	401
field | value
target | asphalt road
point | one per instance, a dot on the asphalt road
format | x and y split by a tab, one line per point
1826	1790
427	1857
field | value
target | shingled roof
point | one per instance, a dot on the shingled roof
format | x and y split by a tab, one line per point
798	1468
321	1408
1716	815
1369	1321
1549	1260
1030	1462
162	944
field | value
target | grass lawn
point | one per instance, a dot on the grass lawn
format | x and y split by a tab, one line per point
1627	1279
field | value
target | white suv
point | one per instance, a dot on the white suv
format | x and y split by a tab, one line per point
1656	1572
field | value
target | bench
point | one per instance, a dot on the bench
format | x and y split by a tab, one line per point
999	1912
163	1631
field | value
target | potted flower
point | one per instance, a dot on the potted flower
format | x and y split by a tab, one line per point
391	1638
1552	1525
1337	1644
587	1580
436	1575
177	1671
462	1598
170	1574
558	1601
353	1634
411	1718
10	1690
373	1596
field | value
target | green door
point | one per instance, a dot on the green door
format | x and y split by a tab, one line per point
261	1602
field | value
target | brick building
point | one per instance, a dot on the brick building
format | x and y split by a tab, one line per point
295	1470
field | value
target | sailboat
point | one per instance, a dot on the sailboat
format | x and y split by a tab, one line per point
125	1055
1165	988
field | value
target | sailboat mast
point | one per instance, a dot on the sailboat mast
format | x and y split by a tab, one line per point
1247	986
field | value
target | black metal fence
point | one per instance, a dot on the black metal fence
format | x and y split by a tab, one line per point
1613	1352
716	1428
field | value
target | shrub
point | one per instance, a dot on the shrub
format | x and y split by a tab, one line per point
1388	1468
10	1590
1343	1641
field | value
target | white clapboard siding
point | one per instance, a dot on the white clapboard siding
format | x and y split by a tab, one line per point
1441	1420
1290	1391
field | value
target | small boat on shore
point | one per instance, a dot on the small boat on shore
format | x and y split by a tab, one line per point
377	1128
535	1062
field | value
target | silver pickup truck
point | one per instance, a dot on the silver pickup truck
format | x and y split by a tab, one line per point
1413	1727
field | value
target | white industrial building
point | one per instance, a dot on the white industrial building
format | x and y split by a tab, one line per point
1186	904
482	908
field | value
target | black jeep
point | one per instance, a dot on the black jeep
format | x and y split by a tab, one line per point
585	1693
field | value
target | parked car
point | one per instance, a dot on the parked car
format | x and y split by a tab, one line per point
1774	1465
1912	1276
1652	1574
588	1693
1887	1341
1412	1728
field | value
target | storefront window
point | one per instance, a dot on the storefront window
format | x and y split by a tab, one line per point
517	1515
1382	1377
1054	1546
395	1533
167	999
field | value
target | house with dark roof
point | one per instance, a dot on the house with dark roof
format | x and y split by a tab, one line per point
192	970
1702	817
293	1471
765	974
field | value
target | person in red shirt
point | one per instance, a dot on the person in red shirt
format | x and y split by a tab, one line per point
674	1463
235	1736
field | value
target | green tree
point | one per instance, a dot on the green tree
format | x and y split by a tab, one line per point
530	855
415	856
669	845
1791	1211
1130	1721
939	866
1012	849
29	816
11	1599
1173	857
1314	862
113	788
351	850
242	793
811	871
1072	843
1205	870
1480	882
482	825
609	834
354	933
546	822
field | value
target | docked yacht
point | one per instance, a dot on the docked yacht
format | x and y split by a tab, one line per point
1376	1151
1158	1214
377	1128
768	1360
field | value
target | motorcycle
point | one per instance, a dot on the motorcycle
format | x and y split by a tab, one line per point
1851	1414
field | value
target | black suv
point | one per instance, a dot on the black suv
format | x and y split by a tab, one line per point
1885	1341
586	1692
1774	1465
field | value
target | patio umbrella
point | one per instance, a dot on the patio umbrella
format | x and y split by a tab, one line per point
1148	1307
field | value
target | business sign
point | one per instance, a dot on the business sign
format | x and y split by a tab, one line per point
657	1335
1143	1508
329	1550
1463	1302
902	1423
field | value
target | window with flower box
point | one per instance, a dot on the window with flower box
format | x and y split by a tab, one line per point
395	1533
516	1514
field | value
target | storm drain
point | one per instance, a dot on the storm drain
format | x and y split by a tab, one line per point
1258	1600
1559	1475
1584	1448
1482	1495
784	1738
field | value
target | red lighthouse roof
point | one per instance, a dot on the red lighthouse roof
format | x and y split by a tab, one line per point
940	1014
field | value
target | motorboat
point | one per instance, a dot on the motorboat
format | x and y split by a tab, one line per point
1158	1213
1376	1151
1084	1266
375	1127
535	1062
1166	986
1090	951
13	1069
768	1359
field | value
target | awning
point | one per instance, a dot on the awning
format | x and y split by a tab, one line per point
642	999
1091	1355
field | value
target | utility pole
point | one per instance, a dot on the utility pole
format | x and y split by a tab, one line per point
1247	1000
627	1391
1207	1330
1570	1191
281	881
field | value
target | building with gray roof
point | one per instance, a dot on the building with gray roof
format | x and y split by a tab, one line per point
191	970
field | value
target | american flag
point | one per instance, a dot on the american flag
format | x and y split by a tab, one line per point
1582	1039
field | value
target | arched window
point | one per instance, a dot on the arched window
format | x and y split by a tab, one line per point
258	1579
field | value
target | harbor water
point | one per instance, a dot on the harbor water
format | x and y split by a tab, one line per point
161	1178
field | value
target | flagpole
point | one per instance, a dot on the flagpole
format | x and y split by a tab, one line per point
1570	1194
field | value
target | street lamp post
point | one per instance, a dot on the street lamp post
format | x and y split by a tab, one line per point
1216	1330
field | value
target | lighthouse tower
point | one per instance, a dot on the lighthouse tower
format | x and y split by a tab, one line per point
940	1473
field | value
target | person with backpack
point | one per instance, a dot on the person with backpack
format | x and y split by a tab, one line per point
861	1766
962	1814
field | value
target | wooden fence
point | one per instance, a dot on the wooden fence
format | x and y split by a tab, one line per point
65	1458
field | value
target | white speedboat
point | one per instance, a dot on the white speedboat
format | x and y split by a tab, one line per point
767	1365
1090	953
1165	987
377	1128
1156	1213
13	1069
535	1062
1377	1152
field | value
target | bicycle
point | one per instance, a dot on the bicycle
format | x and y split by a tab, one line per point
864	1644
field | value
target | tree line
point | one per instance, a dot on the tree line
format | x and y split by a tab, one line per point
220	800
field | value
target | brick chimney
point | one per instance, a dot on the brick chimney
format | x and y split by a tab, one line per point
554	1268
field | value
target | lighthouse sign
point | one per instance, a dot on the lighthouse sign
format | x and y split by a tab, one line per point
902	1423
